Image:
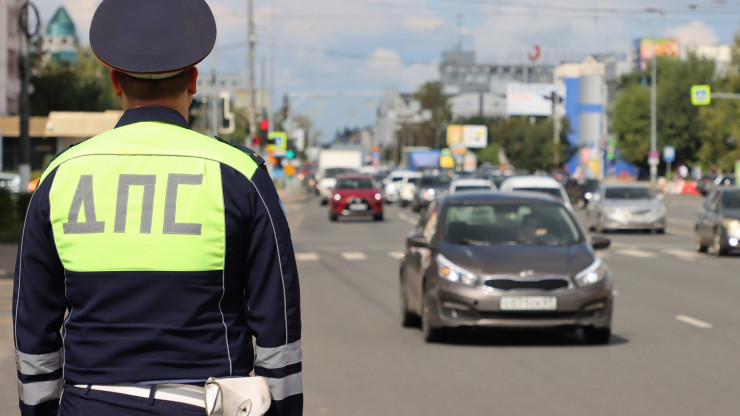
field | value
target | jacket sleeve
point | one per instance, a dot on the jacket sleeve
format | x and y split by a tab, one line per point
39	305
274	298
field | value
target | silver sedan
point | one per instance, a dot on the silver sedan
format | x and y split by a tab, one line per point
626	207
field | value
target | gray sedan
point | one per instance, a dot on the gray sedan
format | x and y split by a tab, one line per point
718	222
626	207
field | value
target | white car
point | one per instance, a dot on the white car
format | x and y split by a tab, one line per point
471	184
407	187
11	182
535	183
392	185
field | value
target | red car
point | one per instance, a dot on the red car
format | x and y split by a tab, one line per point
356	194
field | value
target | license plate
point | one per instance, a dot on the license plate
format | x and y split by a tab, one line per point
529	303
358	207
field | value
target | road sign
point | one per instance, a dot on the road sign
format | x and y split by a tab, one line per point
669	153
701	95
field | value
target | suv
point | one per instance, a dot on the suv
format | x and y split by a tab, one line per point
534	183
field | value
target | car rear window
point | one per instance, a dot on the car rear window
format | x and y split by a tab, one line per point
355	184
550	191
468	188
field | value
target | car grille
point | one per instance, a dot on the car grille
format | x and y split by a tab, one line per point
530	315
640	211
515	284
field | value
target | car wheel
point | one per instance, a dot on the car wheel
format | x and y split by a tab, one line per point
408	319
717	248
324	201
416	208
701	248
429	332
333	216
378	217
660	231
597	336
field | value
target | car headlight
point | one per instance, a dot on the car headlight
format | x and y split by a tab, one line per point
588	195
731	223
337	197
594	273
428	193
378	197
450	271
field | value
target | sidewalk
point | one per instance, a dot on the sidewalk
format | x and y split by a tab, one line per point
7	260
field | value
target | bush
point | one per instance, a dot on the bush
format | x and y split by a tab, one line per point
7	213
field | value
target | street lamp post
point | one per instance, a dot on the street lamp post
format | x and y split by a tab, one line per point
27	32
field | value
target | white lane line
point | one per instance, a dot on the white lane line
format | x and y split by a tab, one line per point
682	254
4	272
408	219
603	255
693	321
615	292
637	253
398	255
681	233
306	256
680	221
354	255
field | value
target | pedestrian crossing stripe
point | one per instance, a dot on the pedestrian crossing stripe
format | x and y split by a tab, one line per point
306	256
354	255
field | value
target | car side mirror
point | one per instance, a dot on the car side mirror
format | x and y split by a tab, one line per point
600	243
416	240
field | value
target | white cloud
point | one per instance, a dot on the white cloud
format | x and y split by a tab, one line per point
693	34
422	23
385	68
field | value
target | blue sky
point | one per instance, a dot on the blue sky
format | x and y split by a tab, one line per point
370	45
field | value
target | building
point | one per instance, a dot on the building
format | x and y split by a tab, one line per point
60	43
480	89
10	84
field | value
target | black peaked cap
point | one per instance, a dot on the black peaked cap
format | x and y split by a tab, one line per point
152	36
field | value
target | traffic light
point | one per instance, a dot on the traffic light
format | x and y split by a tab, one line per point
256	142
264	129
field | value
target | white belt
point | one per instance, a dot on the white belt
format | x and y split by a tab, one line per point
180	393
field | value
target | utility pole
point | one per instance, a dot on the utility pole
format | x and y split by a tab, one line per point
27	32
252	37
653	160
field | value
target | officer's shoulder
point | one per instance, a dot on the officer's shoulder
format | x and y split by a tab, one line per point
249	152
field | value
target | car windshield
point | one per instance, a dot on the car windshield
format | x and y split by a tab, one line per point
629	193
731	200
355	183
550	191
334	172
469	188
435	181
511	224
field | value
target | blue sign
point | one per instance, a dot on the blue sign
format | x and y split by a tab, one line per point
669	153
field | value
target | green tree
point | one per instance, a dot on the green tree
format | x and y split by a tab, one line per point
84	86
678	123
431	97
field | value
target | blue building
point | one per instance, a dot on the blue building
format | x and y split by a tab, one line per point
60	41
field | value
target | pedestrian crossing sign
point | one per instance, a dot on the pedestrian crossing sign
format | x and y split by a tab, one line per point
700	95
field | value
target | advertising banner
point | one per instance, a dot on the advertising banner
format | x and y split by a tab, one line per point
529	99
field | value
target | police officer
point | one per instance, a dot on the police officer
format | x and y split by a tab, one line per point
151	254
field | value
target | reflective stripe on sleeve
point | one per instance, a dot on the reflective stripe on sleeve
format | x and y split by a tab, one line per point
35	364
280	388
279	357
32	394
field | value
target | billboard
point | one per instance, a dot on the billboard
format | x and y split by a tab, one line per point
529	99
646	48
467	136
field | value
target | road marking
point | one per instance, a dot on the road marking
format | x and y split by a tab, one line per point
637	253
615	292
398	255
306	256
408	219
682	254
4	272
682	233
602	255
680	221
693	321
354	255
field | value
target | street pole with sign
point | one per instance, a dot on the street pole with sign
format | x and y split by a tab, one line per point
29	29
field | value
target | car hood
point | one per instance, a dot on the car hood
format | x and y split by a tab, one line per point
505	259
361	193
633	203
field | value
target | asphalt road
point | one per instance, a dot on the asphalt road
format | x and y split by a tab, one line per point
676	332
